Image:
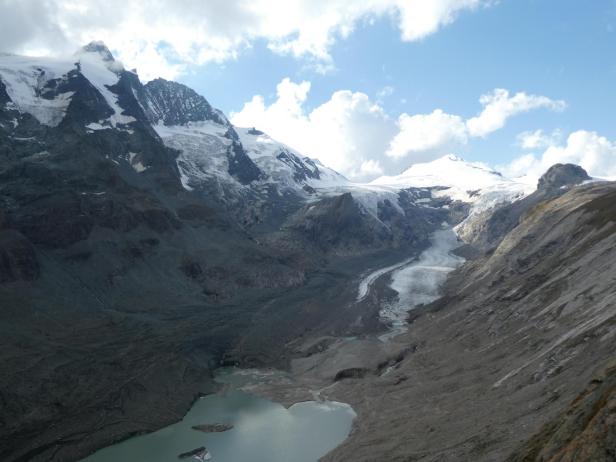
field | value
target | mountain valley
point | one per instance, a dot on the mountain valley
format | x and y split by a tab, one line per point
146	242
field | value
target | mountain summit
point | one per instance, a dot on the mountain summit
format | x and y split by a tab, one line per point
99	48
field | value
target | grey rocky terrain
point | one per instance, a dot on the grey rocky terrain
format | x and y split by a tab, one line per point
145	241
515	362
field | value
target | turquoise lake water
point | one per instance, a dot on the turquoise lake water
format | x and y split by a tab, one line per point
263	431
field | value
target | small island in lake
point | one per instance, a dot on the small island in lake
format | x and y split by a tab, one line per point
199	454
213	428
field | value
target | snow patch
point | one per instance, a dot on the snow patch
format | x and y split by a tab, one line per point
25	79
96	126
137	165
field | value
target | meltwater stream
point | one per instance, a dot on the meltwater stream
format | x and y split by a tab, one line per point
263	431
419	281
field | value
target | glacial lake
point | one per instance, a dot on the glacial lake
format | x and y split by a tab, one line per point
263	431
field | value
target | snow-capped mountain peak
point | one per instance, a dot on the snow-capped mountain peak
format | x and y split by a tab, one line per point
237	165
97	47
44	87
283	164
448	171
172	103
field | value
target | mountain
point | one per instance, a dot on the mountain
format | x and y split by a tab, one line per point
146	241
119	286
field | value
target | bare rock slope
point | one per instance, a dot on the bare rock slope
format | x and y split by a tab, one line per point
502	366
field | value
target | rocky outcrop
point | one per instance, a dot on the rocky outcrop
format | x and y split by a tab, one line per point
494	225
561	176
241	166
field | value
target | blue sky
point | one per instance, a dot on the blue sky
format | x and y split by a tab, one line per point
563	49
371	86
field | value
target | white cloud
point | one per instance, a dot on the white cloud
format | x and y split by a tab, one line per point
159	37
419	18
437	131
538	139
499	106
440	132
371	168
354	134
593	152
348	132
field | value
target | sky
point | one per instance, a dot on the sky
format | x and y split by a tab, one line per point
370	87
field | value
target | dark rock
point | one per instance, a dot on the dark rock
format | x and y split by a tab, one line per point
18	259
191	268
241	166
562	175
253	131
212	428
300	168
54	221
351	373
195	452
195	212
175	104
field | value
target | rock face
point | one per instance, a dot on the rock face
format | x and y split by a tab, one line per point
172	103
561	176
501	358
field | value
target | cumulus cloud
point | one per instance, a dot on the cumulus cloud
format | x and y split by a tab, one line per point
437	131
419	18
593	152
538	139
499	106
349	132
440	132
353	134
161	37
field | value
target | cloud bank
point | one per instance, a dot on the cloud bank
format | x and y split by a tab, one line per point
356	136
161	37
